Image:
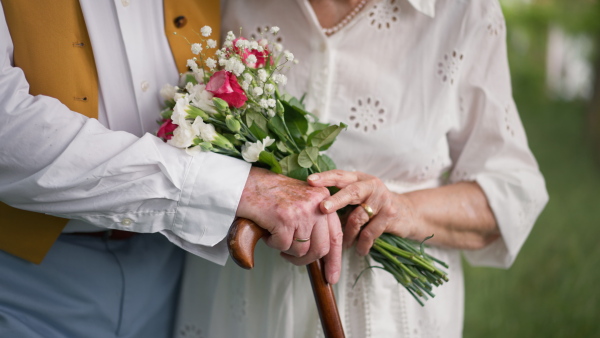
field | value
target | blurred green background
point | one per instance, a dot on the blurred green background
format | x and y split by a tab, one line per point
551	290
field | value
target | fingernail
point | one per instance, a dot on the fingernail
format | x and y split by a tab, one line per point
313	177
327	205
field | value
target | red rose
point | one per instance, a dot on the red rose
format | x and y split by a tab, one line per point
224	85
261	57
165	132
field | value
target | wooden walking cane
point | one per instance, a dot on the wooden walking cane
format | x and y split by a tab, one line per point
241	240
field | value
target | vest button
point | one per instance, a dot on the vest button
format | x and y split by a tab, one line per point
180	21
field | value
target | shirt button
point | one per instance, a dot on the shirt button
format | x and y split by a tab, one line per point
180	21
126	222
125	3
145	85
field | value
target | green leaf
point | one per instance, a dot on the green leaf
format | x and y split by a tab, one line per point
283	148
308	157
277	126
422	245
325	163
299	174
232	139
189	77
289	164
295	119
257	124
324	138
269	159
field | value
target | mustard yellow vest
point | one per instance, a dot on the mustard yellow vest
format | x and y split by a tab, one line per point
52	47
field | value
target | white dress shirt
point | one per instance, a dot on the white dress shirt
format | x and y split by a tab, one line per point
424	87
112	172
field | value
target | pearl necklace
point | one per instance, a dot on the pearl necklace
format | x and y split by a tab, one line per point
346	20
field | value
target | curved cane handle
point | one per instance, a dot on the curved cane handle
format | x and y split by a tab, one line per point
241	241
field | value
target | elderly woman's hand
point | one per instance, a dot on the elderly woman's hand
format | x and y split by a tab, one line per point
458	214
380	209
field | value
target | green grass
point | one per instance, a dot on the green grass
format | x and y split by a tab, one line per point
551	290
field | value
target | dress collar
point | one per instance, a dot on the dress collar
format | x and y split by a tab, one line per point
426	7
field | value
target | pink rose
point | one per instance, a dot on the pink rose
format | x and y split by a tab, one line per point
165	132
224	85
261	57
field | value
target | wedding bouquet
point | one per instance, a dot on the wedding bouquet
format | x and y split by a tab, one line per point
233	104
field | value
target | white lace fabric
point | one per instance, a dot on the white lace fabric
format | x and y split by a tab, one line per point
424	88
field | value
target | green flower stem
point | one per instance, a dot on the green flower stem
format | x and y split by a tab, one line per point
410	256
394	260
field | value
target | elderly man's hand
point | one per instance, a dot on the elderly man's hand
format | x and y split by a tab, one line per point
289	210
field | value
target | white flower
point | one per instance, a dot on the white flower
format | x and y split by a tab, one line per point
227	44
271	112
253	45
288	56
278	47
263	103
206	131
202	98
179	111
245	85
191	63
179	95
262	75
219	53
260	49
251	151
168	92
210	43
257	91
263	42
248	77
182	137
222	62
241	43
280	79
274	29
230	36
235	66
269	88
206	31
196	48
251	59
189	87
211	63
271	103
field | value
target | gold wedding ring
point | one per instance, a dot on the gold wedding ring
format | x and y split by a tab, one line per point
302	240
368	210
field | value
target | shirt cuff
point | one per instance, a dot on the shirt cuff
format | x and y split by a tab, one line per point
209	199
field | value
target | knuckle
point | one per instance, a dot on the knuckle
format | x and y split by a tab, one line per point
367	234
353	191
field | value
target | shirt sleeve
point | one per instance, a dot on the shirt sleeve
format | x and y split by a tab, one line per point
488	144
59	162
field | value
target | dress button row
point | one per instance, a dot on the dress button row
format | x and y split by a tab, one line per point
126	222
125	3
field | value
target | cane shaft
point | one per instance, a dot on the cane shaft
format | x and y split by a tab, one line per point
241	241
